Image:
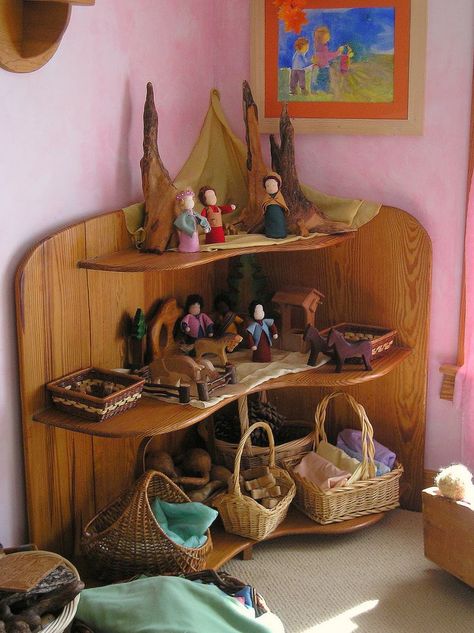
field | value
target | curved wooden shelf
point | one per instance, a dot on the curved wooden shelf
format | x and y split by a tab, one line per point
154	417
226	545
132	260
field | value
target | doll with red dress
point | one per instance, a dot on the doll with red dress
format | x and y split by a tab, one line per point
260	333
213	214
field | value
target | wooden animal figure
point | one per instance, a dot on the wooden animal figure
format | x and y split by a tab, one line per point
184	366
317	344
217	346
343	349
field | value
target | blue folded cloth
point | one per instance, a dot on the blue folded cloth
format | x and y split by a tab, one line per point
353	440
184	523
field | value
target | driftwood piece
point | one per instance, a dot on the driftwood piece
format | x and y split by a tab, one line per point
159	191
251	218
160	330
304	216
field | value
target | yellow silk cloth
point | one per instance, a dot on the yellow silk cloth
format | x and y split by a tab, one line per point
218	159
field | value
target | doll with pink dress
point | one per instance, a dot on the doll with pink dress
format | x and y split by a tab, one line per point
187	223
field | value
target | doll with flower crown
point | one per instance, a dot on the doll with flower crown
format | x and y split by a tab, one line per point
187	223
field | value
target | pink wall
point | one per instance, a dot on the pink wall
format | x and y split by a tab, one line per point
71	143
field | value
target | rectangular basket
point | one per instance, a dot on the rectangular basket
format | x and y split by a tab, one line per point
382	341
369	495
127	390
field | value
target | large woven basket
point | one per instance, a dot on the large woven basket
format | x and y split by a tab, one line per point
224	452
243	515
369	495
125	538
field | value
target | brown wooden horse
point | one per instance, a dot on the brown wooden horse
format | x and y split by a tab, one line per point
317	344
343	349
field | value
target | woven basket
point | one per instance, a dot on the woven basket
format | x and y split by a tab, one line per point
243	515
367	496
253	456
127	392
125	538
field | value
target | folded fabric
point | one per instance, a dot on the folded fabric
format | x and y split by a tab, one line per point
168	604
337	457
184	523
381	469
353	440
321	472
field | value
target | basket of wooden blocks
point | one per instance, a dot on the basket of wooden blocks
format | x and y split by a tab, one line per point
258	498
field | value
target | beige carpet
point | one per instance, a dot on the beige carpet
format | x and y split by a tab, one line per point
373	581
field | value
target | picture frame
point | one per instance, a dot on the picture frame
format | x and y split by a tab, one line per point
384	37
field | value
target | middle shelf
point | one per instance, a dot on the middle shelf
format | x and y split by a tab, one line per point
154	417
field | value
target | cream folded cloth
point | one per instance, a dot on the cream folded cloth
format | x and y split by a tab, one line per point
337	457
321	472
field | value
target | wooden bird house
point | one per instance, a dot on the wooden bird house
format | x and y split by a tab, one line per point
297	306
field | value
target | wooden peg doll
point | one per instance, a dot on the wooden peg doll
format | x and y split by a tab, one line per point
187	223
225	319
213	214
196	324
260	333
274	207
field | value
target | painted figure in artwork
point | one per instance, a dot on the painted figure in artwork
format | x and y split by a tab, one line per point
187	223
212	212
320	81
196	324
260	333
298	65
226	321
274	207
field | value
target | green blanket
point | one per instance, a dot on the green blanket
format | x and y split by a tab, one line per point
167	604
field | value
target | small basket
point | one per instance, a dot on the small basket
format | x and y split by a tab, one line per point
125	538
382	342
127	390
369	495
243	515
224	452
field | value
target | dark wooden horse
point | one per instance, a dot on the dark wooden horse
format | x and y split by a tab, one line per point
317	344
343	349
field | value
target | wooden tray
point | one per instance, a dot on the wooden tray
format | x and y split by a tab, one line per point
382	341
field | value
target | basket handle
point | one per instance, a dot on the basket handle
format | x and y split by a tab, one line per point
368	449
271	461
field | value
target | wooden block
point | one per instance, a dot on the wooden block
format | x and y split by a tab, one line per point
448	529
254	473
261	493
262	482
23	571
270	503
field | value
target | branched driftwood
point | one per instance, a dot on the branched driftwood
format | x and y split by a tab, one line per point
159	191
304	217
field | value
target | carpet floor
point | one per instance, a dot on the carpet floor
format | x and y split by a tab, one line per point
373	581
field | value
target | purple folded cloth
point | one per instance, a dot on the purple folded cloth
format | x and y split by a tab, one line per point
353	440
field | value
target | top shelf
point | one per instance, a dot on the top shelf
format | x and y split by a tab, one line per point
132	260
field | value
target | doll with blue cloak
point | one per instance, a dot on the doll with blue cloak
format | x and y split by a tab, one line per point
260	334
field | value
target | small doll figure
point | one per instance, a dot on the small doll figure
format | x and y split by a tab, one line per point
274	207
212	212
196	324
260	333
225	319
187	223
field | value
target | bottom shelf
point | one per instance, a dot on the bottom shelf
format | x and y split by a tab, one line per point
226	545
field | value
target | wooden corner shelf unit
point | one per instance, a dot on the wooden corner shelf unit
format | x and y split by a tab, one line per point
71	313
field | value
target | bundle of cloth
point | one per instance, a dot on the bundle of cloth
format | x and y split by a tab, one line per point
333	466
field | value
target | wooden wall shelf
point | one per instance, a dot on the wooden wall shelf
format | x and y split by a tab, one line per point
31	31
154	417
132	260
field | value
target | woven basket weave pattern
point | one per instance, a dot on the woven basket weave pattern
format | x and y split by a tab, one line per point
125	539
243	515
367	496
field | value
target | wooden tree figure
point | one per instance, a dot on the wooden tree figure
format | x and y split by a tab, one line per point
160	330
138	340
304	216
159	191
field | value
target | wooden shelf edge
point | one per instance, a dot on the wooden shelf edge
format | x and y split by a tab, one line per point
154	417
226	546
132	260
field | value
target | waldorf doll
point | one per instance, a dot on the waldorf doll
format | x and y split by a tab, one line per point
213	214
225	319
274	207
187	223
260	333
195	324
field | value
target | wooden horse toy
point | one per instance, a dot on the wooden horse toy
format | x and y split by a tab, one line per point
317	344
343	349
217	346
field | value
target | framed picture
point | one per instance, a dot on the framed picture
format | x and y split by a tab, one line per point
342	66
